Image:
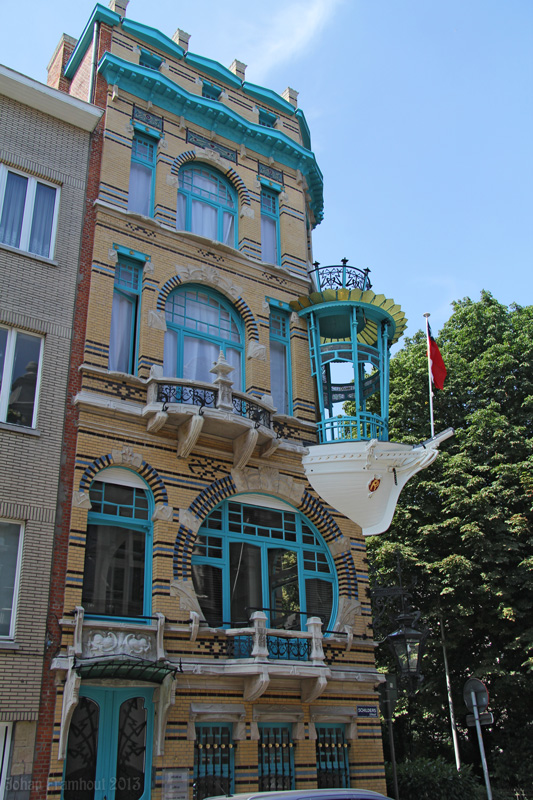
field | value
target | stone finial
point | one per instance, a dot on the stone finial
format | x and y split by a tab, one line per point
291	95
181	38
119	6
238	69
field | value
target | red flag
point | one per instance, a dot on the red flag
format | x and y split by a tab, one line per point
438	368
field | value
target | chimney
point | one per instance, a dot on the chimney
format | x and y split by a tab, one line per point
291	95
119	6
238	69
56	67
182	38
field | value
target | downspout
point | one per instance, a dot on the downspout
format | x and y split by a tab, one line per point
94	62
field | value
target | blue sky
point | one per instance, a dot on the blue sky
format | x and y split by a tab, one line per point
421	119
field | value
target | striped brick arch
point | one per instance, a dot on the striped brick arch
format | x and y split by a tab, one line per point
224	489
233	177
145	470
250	324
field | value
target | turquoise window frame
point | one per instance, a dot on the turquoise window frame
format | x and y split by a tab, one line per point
284	339
131	291
109	701
267	119
221	208
270	210
143	526
221	771
146	139
210	91
218	534
270	755
150	60
328	761
223	343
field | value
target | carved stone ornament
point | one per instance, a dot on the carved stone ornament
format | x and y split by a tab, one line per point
81	500
268	480
189	520
164	699
156	320
107	643
184	591
210	276
148	268
243	447
163	512
340	545
256	350
70	701
349	610
127	456
172	180
113	255
247	211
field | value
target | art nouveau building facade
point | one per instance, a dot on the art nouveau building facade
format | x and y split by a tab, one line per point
216	632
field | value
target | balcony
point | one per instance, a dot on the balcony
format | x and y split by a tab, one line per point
339	276
260	643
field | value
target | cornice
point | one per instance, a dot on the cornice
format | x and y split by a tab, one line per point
154	87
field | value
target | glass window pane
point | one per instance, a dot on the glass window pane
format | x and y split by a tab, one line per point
246	595
9	547
43	218
204	220
269	240
228	229
13	209
3	346
278	376
140	190
181	224
131	751
284	589
207	582
80	768
24	380
120	340
113	581
198	358
319	599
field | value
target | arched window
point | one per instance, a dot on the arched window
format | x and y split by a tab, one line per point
117	577
199	325
249	557
207	205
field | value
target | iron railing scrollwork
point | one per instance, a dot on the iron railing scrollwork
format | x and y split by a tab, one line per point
294	649
340	276
245	408
239	646
190	395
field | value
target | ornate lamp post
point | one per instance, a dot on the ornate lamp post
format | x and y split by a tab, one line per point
407	644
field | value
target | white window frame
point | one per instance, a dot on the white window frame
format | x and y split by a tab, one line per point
27	217
16	584
5	389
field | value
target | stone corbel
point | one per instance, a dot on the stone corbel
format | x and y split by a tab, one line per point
160	636
163	512
256	685
114	93
188	434
172	180
256	350
78	630
270	447
70	701
184	590
156	319
247	211
81	500
195	625
312	688
157	422
349	637
298	731
164	698
243	447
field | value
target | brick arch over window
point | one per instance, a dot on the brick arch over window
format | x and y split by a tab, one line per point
135	463
233	177
202	277
226	488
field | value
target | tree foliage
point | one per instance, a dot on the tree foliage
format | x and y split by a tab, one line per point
463	529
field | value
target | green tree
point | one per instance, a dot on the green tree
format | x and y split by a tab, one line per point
463	529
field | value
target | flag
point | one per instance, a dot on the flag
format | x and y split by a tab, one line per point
438	368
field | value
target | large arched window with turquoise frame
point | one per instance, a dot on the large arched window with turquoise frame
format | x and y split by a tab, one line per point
257	553
200	324
207	204
117	575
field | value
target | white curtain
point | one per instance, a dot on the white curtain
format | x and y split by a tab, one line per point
43	218
228	233
181	213
233	357
199	356
278	376
170	354
13	209
204	219
120	345
269	240
139	195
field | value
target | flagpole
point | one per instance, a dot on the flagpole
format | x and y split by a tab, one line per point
427	315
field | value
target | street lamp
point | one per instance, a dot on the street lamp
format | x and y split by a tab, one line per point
407	644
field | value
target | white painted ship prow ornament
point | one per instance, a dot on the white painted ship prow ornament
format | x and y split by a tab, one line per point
363	479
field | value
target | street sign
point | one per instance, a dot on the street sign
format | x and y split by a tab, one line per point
486	718
480	692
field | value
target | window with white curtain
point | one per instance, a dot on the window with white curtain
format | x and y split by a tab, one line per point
200	324
280	362
125	317
207	205
20	373
28	212
10	560
269	227
142	175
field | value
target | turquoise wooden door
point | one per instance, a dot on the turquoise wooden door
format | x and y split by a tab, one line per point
109	752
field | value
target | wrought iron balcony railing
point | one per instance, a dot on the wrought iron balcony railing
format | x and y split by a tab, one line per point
259	642
339	276
364	426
